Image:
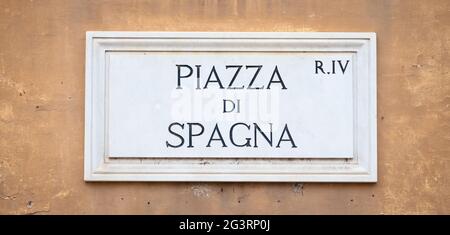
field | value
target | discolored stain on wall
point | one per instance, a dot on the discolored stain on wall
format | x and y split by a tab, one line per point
42	53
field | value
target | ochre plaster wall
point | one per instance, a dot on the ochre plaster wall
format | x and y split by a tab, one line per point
42	54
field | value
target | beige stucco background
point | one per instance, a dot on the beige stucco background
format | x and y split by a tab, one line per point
42	55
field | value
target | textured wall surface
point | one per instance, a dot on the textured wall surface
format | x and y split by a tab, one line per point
42	53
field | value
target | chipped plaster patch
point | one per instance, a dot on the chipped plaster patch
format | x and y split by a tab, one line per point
200	190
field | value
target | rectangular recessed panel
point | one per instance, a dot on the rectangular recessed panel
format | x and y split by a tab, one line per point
230	106
223	104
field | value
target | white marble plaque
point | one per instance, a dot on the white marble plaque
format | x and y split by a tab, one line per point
230	106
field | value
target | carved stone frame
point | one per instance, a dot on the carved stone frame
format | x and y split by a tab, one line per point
361	167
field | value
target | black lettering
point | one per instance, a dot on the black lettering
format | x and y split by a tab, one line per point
179	66
198	76
239	67
225	106
258	68
319	65
176	134
286	130
196	134
216	129
269	140
333	67
345	67
276	81
247	144
213	70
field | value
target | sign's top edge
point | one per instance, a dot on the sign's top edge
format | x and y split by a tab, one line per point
158	34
